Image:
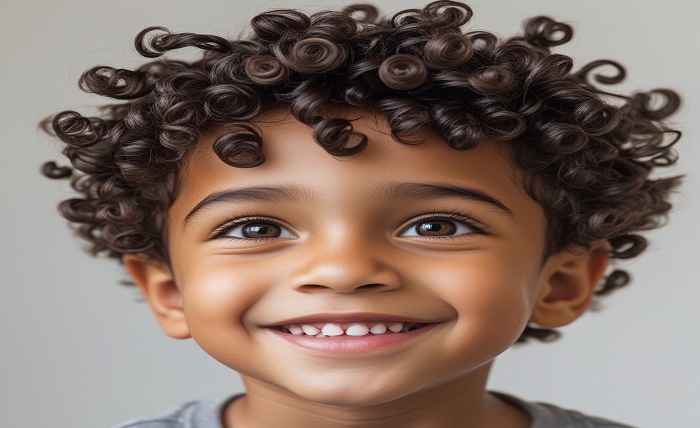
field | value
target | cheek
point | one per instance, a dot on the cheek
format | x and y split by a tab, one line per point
215	283
216	296
492	297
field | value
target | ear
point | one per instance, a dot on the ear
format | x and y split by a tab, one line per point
569	280
158	287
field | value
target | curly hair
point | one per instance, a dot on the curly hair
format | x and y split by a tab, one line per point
588	154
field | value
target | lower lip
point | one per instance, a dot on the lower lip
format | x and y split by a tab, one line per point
352	344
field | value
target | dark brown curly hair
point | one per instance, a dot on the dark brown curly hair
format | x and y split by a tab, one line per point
588	154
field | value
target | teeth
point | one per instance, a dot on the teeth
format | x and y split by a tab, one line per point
378	329
332	330
357	330
396	327
310	330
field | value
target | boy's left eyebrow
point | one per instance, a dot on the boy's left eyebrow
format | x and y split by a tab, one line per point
432	190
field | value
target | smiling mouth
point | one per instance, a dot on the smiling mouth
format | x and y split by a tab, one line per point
355	329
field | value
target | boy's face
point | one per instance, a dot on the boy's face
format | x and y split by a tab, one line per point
425	235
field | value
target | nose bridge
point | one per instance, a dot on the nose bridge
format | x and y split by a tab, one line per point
343	262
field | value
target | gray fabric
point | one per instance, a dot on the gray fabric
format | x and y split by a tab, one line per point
195	414
207	414
549	416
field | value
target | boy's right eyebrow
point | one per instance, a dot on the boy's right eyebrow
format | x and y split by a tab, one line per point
287	193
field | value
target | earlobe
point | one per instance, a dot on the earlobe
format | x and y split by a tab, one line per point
569	280
158	287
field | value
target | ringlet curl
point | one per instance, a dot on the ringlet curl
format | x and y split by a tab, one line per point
316	55
265	69
362	13
240	146
546	32
446	51
447	13
403	72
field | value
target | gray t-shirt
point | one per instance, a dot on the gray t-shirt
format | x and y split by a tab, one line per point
208	414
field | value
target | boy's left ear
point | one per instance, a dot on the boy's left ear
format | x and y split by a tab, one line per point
569	280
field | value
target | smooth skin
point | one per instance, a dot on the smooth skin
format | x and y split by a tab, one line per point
306	234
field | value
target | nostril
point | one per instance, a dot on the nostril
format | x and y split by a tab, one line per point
369	286
312	287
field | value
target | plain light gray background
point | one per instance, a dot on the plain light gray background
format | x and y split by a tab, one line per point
77	350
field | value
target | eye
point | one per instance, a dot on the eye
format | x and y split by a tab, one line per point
257	229
439	227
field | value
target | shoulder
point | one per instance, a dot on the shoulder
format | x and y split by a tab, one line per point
194	414
546	415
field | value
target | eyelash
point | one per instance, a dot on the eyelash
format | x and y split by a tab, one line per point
478	228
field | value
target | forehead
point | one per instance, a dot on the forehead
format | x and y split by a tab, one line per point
294	159
289	145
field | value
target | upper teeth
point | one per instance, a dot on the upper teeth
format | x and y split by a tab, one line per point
357	330
331	330
354	329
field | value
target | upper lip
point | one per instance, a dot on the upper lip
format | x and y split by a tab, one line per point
350	317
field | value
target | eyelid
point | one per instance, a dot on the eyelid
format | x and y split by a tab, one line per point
221	231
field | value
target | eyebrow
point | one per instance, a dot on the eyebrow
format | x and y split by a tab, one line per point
278	194
429	190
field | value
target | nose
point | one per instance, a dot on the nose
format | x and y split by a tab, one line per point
345	266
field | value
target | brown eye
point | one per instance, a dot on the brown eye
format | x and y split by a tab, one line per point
438	228
258	230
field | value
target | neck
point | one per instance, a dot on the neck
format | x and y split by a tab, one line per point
461	402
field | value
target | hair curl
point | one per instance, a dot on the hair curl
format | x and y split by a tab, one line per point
588	153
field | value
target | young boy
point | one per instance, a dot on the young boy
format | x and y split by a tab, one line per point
359	215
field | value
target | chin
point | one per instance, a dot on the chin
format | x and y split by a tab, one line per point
357	392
